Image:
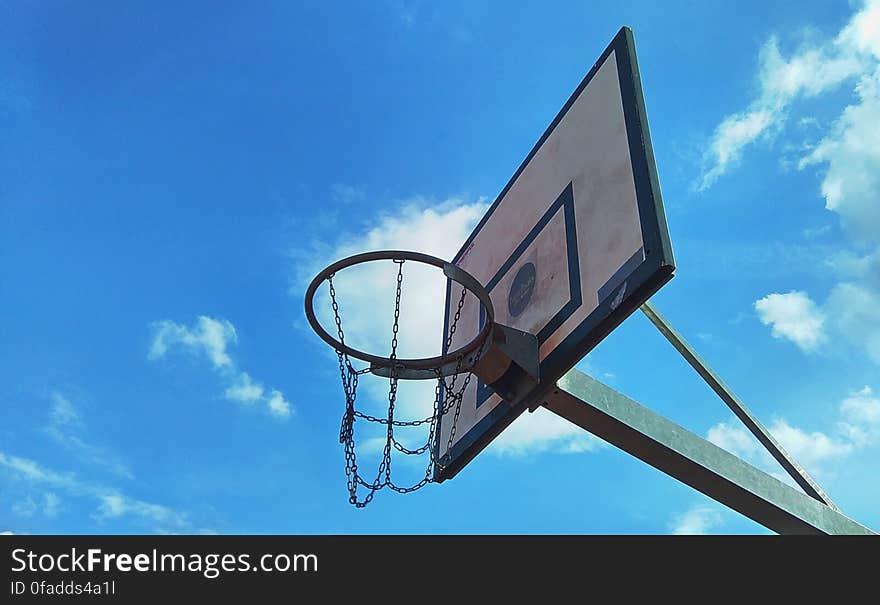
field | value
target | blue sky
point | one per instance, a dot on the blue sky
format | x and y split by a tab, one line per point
171	175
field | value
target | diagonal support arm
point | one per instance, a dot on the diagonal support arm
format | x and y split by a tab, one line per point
795	470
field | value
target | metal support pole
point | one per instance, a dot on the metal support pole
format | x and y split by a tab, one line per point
693	460
795	470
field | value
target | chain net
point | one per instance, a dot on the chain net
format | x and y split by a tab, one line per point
447	397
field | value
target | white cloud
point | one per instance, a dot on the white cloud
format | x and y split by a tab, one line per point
66	427
32	471
851	311
863	31
278	406
373	446
697	521
366	314
863	268
212	337
209	336
730	137
367	311
862	406
847	157
543	431
244	390
810	71
113	505
51	504
861	417
854	309
734	438
90	453
7	533
793	316
851	153
858	427
437	230
47	490
811	449
816	232
110	502
63	412
26	507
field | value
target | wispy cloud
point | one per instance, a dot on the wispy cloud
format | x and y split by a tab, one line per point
32	471
46	491
543	431
847	157
109	502
814	69
212	338
850	155
48	504
731	136
63	412
854	309
26	507
51	504
816	232
812	449
113	505
858	426
347	194
67	428
860	417
699	520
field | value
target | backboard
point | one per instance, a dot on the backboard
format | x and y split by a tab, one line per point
573	244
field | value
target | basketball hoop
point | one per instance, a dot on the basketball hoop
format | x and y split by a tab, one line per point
452	362
444	368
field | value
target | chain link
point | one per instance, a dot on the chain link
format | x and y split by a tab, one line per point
446	396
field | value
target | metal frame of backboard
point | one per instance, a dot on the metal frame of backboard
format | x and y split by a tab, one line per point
645	274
